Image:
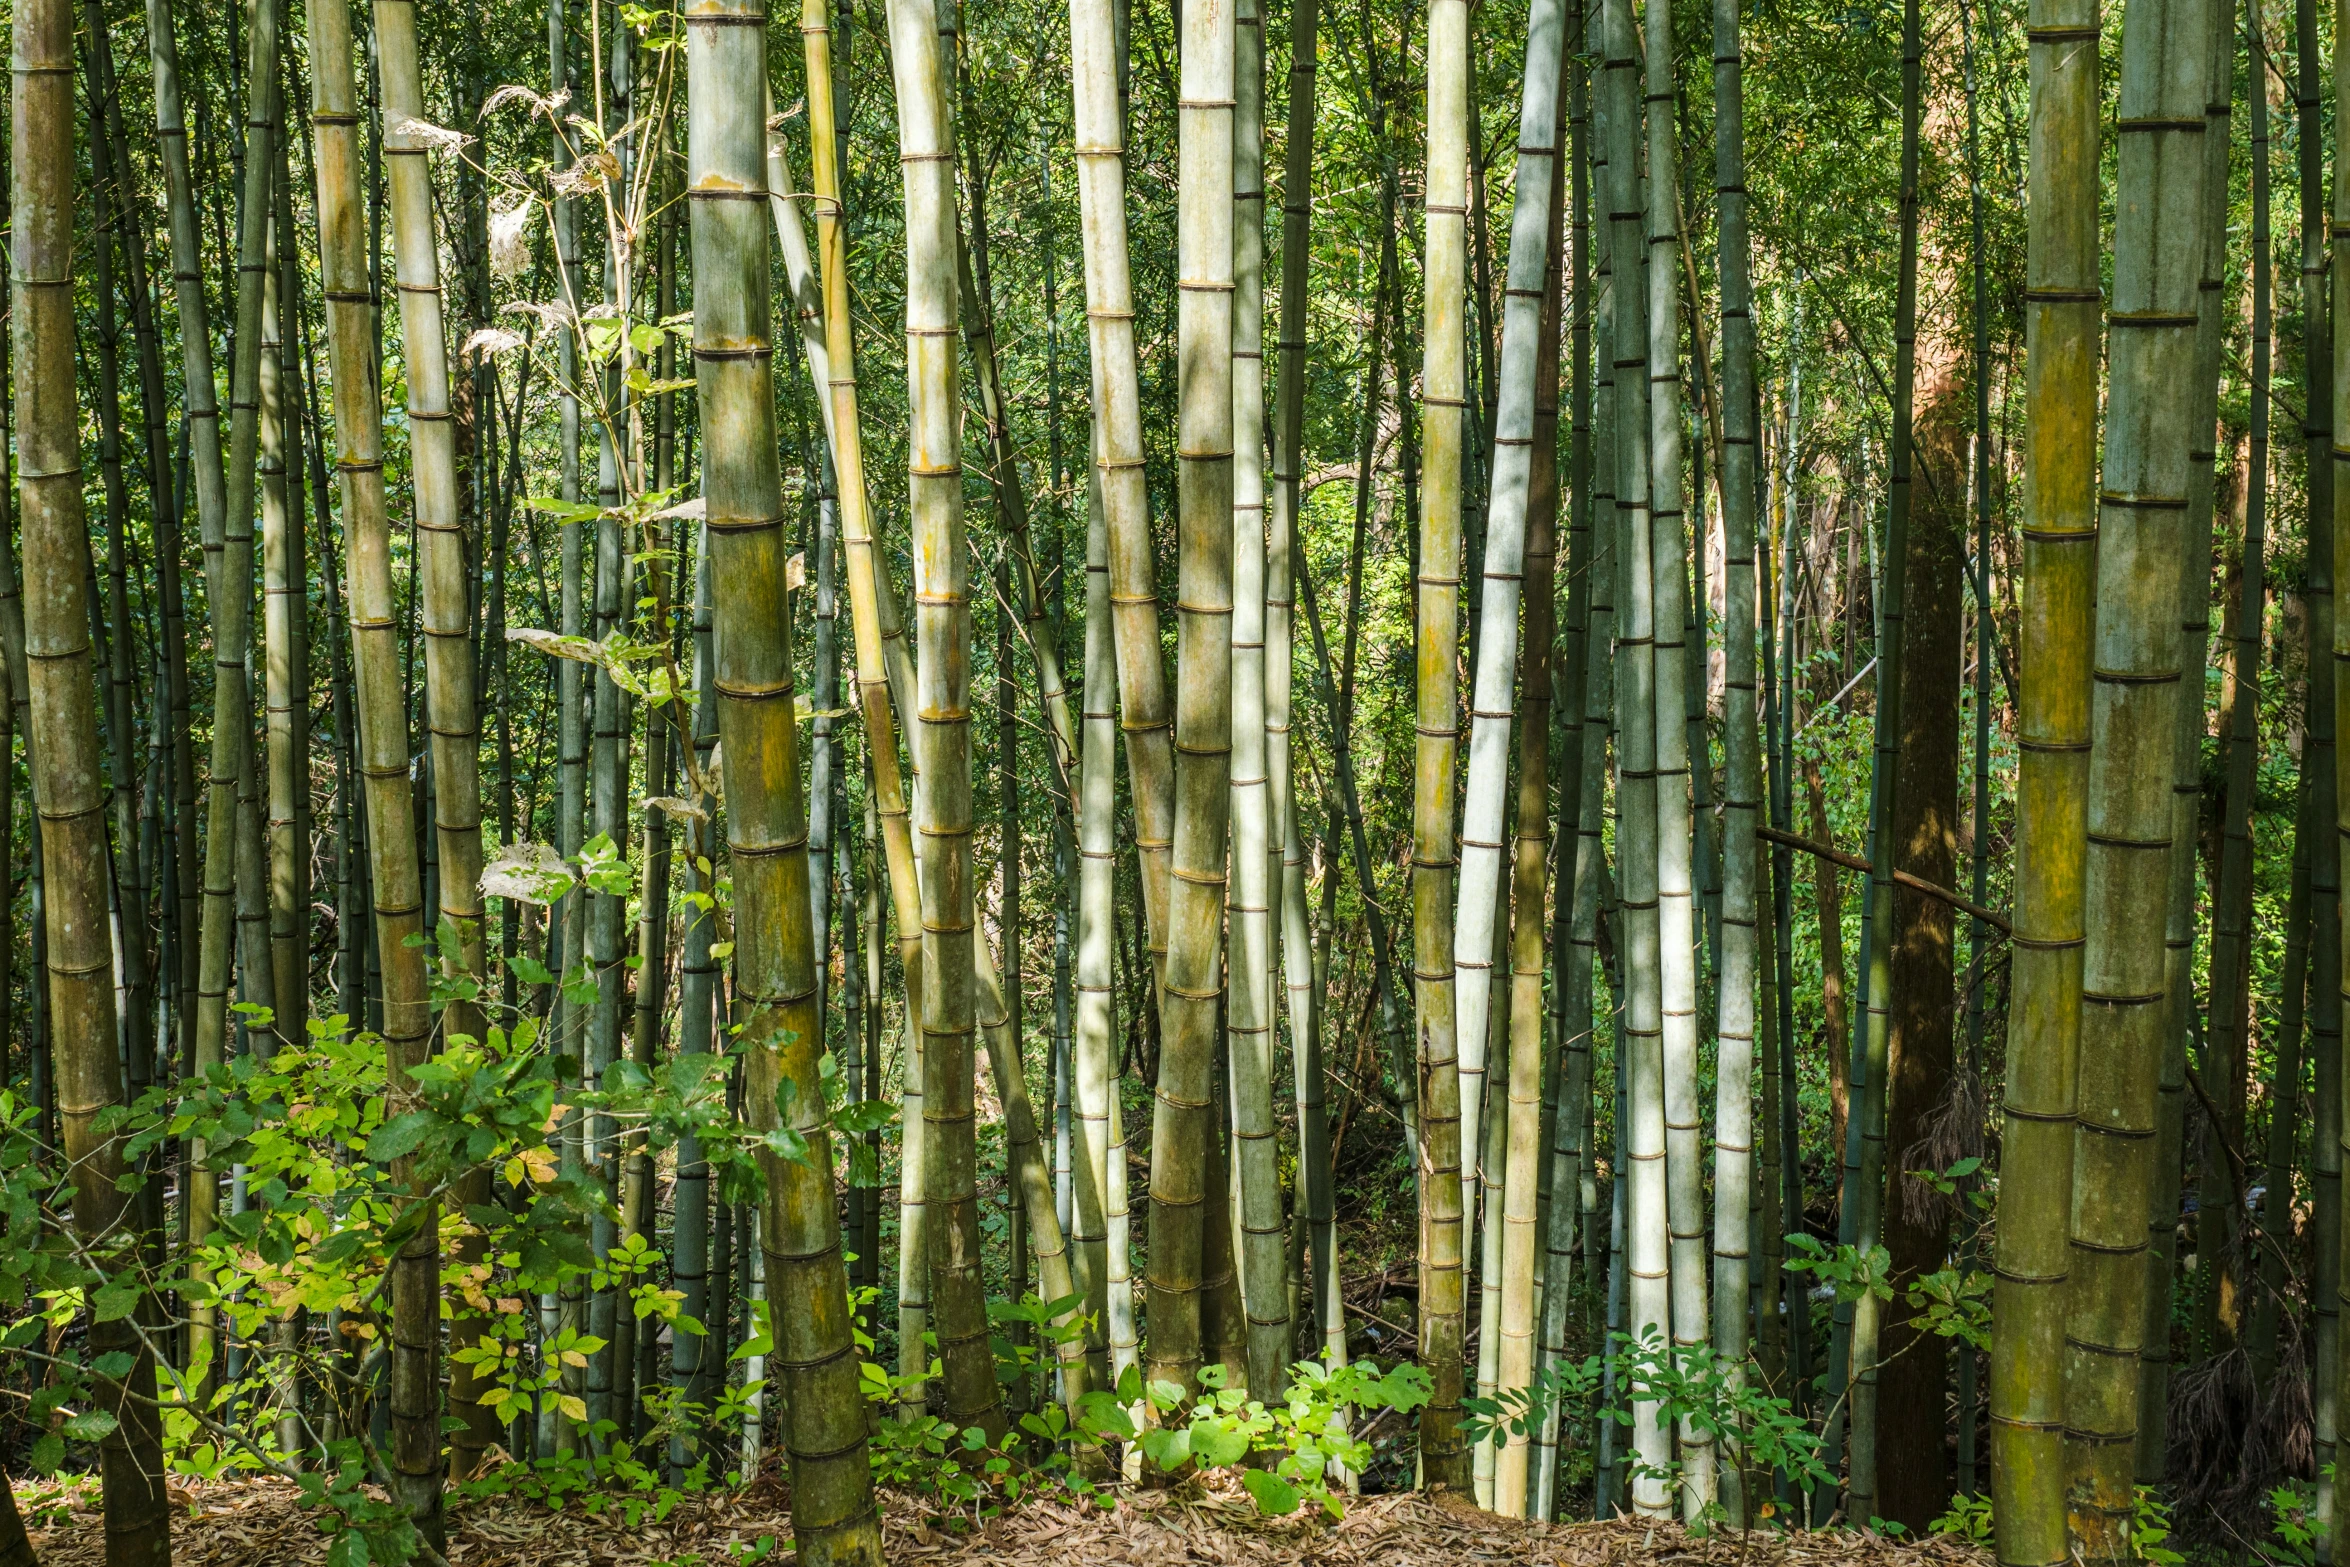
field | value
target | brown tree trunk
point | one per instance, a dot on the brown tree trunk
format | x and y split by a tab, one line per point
16	1549
1912	1464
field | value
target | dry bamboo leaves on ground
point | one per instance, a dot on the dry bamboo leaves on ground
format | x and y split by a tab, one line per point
242	1522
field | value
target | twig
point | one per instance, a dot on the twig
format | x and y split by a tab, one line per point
1372	1316
1853	862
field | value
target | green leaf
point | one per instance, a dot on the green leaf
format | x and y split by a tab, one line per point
398	1138
866	1115
48	1453
1275	1497
1168	1449
785	1143
91	1425
117	1299
349	1550
1217	1445
341	1246
561	511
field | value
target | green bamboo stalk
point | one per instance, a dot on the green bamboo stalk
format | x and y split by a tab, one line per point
2229	992
2332	968
1122	574
943	625
1036	1208
610	731
2318	753
1095	1065
570	916
1872	1063
874	636
233	887
383	737
1648	1262
112	201
203	444
1264	1268
1097	61
1520	538
451	712
833	1516
1779	692
285	627
63	738
1735	985
2158	246
2059	553
1445	1065
2284	1101
1676	824
1125	1348
1979	800
1183	1123
1585	687
1312	1207
142	951
1542	673
1475	948
694	1358
2182	915
1493	1156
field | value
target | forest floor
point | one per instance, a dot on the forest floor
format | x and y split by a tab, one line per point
247	1523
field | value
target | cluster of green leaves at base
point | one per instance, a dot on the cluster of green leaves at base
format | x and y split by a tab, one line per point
1289	1452
1689	1386
324	1215
1045	1453
41	1266
2300	1528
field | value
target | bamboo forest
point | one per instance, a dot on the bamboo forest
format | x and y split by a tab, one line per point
1364	781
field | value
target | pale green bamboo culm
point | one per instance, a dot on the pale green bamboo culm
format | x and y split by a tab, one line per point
1531	1084
1591	614
2142	535
1647	1250
234	886
63	744
2340	967
1864	1197
452	716
1676	821
2063	333
1485	803
398	895
2320	759
943	692
833	1517
2183	915
1443	1071
1735	986
1249	1011
1097	81
207	477
1183	1122
1283	563
1510	527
